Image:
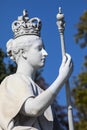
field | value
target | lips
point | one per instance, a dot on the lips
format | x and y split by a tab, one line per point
43	59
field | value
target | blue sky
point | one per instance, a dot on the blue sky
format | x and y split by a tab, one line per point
47	10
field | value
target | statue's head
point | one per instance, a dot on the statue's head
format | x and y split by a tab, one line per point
26	33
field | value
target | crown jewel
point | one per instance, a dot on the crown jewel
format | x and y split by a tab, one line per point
26	26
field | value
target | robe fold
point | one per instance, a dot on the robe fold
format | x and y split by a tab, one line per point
14	91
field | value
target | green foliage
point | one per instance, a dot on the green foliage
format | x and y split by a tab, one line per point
81	125
2	65
80	98
5	69
79	91
81	36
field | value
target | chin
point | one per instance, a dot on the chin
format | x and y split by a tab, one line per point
42	66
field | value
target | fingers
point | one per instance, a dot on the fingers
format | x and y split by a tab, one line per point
67	60
63	61
68	57
66	67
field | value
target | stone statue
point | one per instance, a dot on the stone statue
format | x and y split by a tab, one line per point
23	104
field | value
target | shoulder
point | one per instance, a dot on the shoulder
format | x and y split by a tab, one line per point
15	82
17	79
13	78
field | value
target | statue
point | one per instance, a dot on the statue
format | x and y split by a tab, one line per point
23	104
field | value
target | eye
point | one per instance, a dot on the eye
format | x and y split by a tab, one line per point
40	48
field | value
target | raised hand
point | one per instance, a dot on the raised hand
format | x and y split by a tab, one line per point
66	67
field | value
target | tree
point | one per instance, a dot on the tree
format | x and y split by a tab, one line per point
80	99
79	91
2	65
5	69
81	36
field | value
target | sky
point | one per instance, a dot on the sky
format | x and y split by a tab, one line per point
47	10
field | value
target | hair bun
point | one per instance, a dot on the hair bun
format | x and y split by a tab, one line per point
9	46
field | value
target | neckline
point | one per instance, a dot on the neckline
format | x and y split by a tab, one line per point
26	77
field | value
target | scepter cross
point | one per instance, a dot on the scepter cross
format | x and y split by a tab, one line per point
61	28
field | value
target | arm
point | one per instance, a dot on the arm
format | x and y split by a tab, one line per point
36	106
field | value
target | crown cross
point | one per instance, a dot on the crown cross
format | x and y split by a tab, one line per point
26	26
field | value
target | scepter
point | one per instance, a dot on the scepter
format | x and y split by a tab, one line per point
61	28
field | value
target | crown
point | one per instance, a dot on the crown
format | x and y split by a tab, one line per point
26	26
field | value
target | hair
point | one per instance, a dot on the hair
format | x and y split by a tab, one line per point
16	47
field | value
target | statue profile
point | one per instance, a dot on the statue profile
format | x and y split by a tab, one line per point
23	104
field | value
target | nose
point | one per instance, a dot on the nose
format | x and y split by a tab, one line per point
44	52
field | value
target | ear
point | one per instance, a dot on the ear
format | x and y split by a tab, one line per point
24	55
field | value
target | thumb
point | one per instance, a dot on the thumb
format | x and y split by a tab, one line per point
64	60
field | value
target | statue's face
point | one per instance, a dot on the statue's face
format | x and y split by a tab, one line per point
36	54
